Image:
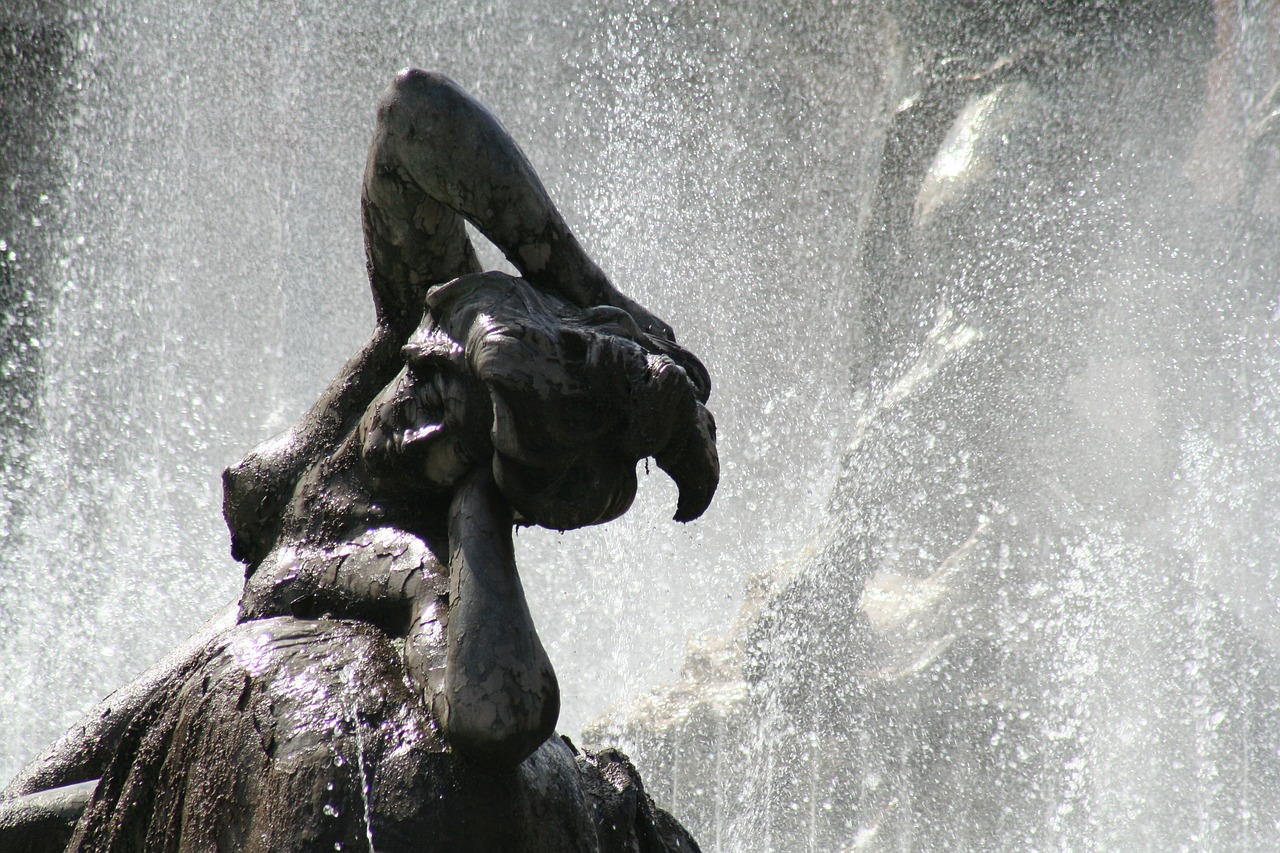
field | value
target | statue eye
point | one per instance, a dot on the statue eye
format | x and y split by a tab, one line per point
428	358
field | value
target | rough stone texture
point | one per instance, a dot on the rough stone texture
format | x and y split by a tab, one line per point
44	820
381	684
302	734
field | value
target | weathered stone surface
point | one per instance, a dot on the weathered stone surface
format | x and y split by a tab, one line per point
44	820
303	734
381	684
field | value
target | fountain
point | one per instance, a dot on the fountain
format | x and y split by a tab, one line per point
991	309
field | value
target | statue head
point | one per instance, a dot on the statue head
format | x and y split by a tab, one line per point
562	403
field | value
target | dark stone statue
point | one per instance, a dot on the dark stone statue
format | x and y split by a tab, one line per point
381	685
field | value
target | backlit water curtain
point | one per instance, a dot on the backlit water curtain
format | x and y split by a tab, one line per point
990	292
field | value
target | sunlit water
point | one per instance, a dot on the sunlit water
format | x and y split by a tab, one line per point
1026	565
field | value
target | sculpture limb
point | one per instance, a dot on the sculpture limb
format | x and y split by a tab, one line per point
439	154
500	698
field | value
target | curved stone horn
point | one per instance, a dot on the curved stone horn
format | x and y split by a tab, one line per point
668	421
692	462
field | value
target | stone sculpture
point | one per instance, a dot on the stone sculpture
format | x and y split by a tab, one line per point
381	685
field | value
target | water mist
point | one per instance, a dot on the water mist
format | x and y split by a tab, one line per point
990	306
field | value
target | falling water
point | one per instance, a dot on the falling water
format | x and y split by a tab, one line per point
997	381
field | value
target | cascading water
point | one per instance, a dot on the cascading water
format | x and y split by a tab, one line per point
992	565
